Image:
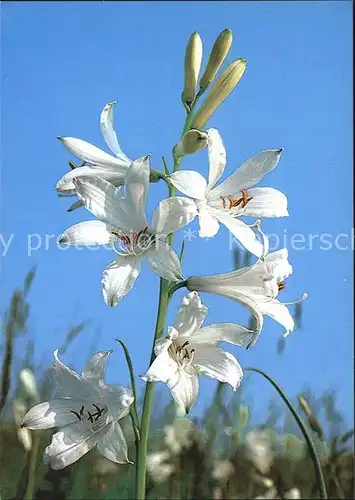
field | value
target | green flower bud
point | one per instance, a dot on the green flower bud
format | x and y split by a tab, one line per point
193	58
243	416
313	422
191	141
223	86
218	54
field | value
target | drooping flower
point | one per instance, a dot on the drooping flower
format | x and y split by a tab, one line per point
95	161
122	223
234	197
188	350
255	286
86	411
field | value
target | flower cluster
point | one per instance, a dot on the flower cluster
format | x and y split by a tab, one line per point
114	189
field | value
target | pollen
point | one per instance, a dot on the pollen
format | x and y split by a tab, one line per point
236	202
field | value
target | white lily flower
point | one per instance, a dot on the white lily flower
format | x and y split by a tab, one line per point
255	286
95	161
189	349
86	412
122	223
234	197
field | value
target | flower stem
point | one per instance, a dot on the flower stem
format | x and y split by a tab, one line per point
148	397
312	449
165	294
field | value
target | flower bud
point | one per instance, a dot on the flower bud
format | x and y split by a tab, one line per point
223	86
28	383
19	410
193	58
191	141
25	438
313	422
243	416
218	54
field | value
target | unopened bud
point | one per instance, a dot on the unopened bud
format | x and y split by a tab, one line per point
19	409
191	141
193	58
218	54
221	89
313	422
243	416
155	175
25	438
28	383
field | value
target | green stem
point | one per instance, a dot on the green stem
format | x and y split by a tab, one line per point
312	449
148	397
165	294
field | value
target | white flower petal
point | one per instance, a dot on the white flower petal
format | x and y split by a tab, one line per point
249	174
163	343
68	383
95	368
105	201
191	315
216	363
119	277
163	260
184	390
190	183
92	232
209	225
136	190
163	369
75	205
56	413
69	444
113	445
279	312
217	157
172	214
108	133
118	398
243	233
89	153
223	332
266	202
66	183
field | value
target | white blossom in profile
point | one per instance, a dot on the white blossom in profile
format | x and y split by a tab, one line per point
256	286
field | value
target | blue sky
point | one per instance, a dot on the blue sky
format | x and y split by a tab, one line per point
61	62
